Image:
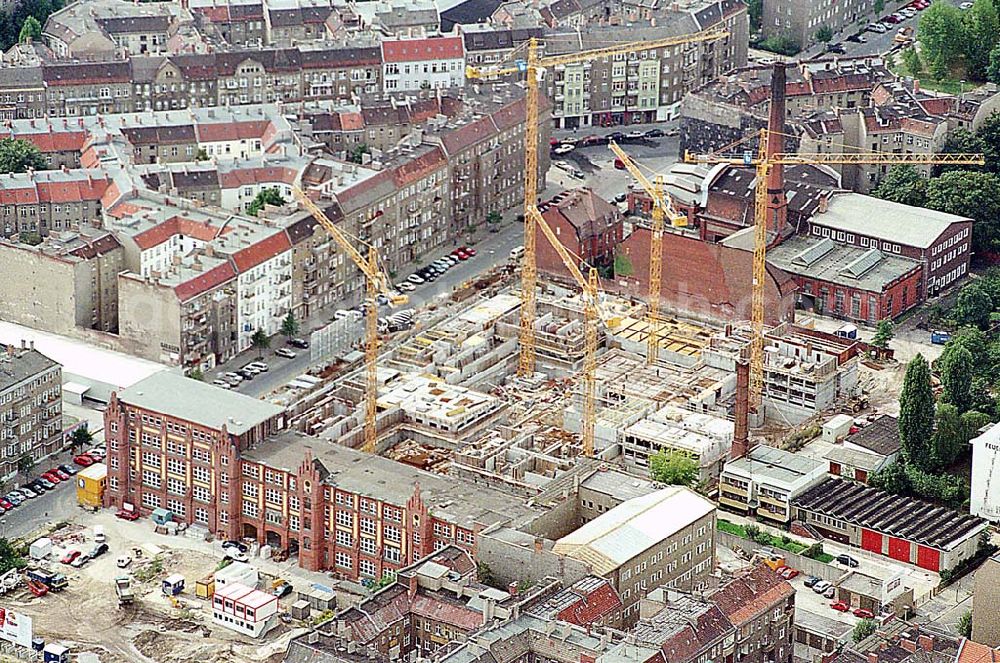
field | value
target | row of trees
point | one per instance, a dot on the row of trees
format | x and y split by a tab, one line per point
947	34
934	435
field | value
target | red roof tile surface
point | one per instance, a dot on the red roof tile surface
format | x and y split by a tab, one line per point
419	50
205	282
248	258
748	596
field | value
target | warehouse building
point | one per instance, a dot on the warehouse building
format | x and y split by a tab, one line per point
905	529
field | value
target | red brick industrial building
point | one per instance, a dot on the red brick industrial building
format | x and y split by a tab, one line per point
171	446
586	224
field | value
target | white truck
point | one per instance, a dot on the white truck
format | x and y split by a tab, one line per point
123	588
40	548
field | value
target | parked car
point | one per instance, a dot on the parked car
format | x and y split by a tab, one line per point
578	174
6	503
847	560
232	377
97	551
965	5
222	384
830	592
300	343
468	249
788	573
810	581
635	135
863	614
285	352
239	545
27	492
655	133
123	561
79	561
14	498
59	473
821	586
39	487
836	48
283	589
259	365
563	149
840	606
83	460
70	556
235	555
49	481
68	469
128	515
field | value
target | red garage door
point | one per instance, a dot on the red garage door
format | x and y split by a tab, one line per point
928	558
899	549
871	541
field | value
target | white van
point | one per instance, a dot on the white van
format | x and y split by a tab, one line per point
99	535
516	253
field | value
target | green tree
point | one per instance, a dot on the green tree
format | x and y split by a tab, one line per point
973	307
81	437
965	624
989	133
17	156
883	334
940	32
781	44
674	468
939	67
357	155
879	7
202	155
916	412
891	479
31	30
10	557
957	371
260	341
972	195
904	185
981	28
268	196
911	60
972	339
494	218
196	374
29	237
25	464
290	326
948	440
964	141
824	34
756	11
863	629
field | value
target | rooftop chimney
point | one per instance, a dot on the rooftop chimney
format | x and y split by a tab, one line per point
741	431
926	642
777	204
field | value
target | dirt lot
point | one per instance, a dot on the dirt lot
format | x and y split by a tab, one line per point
86	615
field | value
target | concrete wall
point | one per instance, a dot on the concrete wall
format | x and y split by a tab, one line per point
510	561
149	319
39	291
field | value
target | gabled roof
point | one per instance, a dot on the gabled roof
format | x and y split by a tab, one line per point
626	531
176	225
974	652
749	595
262	251
205	282
419	50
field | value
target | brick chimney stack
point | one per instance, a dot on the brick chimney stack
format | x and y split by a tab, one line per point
777	204
741	433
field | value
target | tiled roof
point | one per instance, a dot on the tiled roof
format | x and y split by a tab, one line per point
175	225
233	130
468	135
54	141
204	282
418	50
749	595
104	244
880	436
588	601
414	169
583	209
87	73
262	251
974	652
341	57
73	191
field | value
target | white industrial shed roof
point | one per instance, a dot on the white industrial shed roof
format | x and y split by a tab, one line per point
632	527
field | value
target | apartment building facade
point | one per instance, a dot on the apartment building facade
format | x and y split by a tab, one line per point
431	63
800	20
30	407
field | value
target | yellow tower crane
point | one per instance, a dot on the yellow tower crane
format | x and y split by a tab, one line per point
662	207
591	315
376	283
762	163
533	67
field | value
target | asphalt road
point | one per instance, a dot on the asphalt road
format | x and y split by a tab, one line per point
491	249
53	505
